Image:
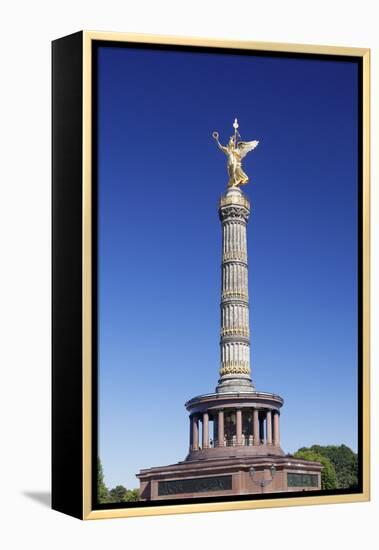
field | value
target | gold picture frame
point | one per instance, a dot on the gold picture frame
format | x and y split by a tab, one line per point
83	508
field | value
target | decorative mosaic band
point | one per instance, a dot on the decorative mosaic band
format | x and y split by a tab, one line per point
233	294
235	367
244	331
236	255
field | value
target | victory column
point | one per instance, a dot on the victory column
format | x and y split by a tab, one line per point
234	211
234	436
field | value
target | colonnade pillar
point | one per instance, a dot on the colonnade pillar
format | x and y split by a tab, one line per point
255	427
261	429
269	435
276	429
205	430
268	428
239	427
220	429
195	433
190	433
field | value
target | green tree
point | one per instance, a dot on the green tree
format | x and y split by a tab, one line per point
345	463
132	495
121	494
115	495
118	494
102	491
328	473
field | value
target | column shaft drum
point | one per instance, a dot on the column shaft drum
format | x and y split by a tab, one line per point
235	375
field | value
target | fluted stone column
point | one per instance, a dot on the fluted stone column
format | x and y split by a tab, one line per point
195	433
269	427
234	211
220	429
205	430
239	427
276	429
256	427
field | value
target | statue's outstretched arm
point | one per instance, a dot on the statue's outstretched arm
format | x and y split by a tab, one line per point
221	147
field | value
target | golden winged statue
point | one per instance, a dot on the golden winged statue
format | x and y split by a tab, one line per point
236	151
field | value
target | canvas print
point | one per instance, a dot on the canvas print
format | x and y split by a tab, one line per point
228	262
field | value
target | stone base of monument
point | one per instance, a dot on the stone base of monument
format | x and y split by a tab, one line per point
235	475
234	449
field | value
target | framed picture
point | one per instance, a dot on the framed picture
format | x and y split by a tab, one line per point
210	275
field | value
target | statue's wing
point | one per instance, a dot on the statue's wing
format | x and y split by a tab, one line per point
245	147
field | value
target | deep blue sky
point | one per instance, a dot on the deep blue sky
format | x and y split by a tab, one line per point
160	178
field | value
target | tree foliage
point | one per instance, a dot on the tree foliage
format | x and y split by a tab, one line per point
102	491
117	494
122	494
132	495
344	460
328	473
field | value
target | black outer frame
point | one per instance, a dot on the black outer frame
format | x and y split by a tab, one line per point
67	203
67	398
